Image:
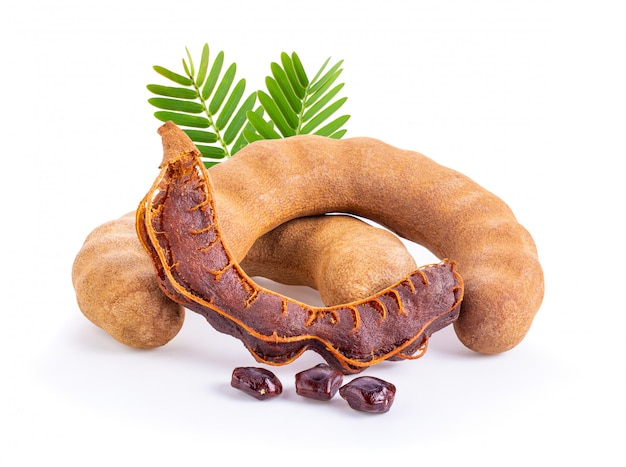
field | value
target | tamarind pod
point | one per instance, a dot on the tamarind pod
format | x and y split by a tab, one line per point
178	225
344	258
116	289
273	181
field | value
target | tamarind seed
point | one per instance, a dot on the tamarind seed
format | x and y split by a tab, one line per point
259	383
369	394
320	382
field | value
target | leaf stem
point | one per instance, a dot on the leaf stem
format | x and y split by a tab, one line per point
303	109
305	97
209	116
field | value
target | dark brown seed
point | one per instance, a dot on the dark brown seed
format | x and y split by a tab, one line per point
320	382
259	383
369	394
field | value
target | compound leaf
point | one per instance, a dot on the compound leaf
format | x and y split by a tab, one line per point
297	105
204	103
207	104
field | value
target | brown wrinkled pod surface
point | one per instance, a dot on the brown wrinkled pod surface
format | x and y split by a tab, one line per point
177	223
117	291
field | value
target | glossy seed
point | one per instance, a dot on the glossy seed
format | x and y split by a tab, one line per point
369	394
259	383
320	382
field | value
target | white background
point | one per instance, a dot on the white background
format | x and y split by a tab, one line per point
527	98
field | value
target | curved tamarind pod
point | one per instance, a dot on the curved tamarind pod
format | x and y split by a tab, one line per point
178	225
405	191
344	258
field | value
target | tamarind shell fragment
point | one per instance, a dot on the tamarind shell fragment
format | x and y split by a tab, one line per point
178	225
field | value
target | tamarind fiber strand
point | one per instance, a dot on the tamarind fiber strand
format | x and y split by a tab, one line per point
272	181
178	225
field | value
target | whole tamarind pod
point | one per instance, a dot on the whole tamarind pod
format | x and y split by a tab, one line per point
116	289
344	258
178	224
273	181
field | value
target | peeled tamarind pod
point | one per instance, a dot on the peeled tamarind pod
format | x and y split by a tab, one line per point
407	192
344	258
179	226
116	289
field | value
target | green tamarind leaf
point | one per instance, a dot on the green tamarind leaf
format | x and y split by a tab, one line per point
251	136
238	144
200	136
249	133
323	115
281	102
275	114
239	120
231	104
169	91
325	99
222	89
212	152
204	65
319	72
317	83
338	134
177	105
181	119
286	88
320	91
191	70
214	74
333	126
299	69
291	75
262	127
177	78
